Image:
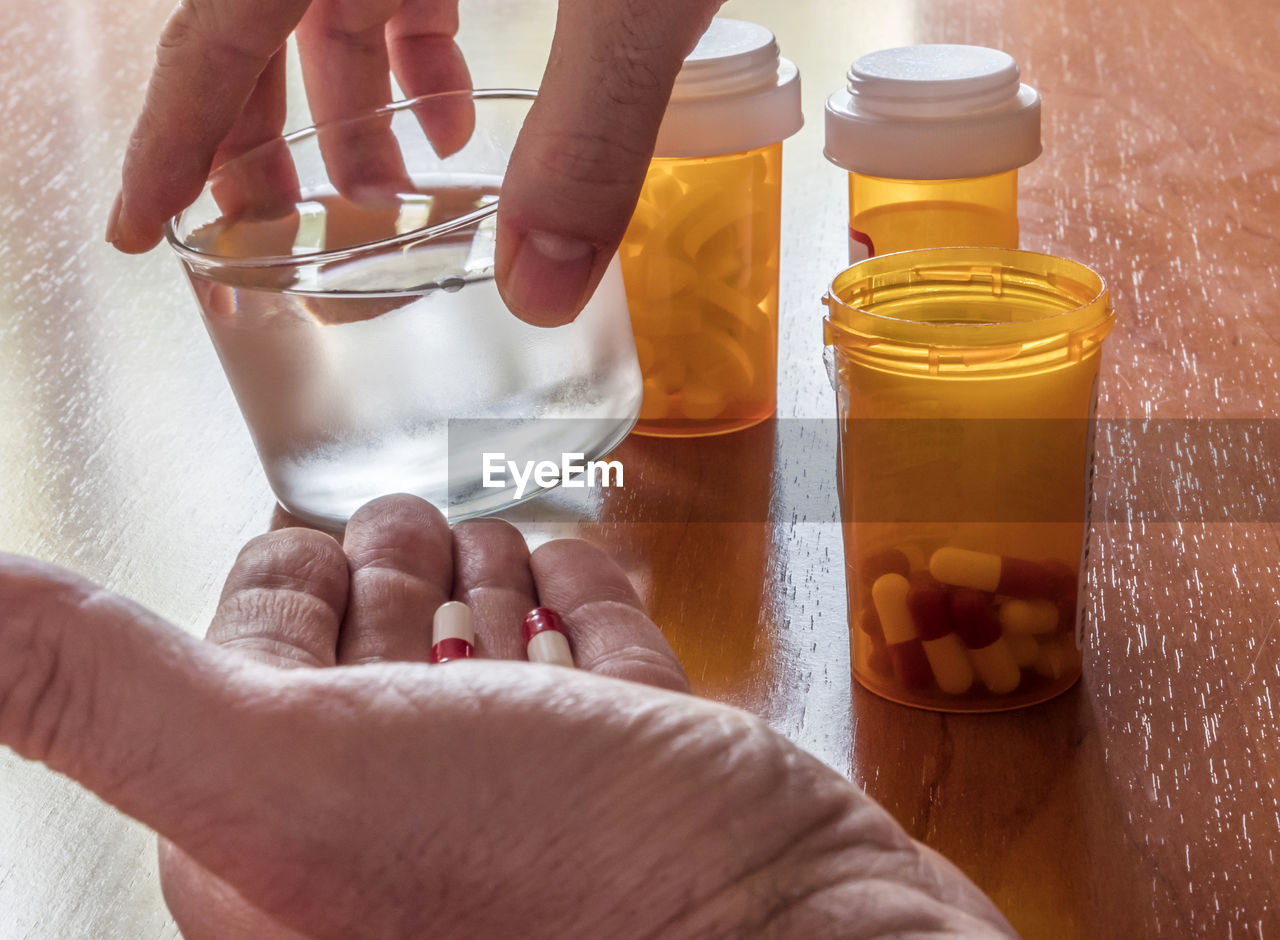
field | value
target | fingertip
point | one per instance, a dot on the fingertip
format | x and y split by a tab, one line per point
645	665
113	218
451	139
128	234
403	533
580	160
544	278
575	565
300	559
490	526
397	509
432	68
610	630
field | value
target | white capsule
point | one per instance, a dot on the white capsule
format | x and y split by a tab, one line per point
544	638
997	667
889	594
950	665
453	621
550	647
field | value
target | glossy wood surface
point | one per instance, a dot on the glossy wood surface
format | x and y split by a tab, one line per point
1143	803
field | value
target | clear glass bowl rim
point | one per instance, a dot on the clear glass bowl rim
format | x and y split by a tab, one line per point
406	239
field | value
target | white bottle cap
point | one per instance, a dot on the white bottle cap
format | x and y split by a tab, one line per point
933	112
734	93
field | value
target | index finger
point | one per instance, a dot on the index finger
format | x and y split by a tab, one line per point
208	61
580	160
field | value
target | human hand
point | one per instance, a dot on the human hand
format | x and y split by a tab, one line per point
301	794
218	89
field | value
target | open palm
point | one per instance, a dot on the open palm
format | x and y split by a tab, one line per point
312	776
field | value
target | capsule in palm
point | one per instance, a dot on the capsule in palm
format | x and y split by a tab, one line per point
453	634
544	638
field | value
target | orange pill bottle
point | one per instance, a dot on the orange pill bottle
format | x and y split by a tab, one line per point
966	385
932	137
700	258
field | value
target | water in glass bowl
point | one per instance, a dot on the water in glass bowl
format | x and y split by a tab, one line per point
396	371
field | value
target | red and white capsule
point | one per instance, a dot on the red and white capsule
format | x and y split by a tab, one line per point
544	638
453	633
1063	575
931	613
906	653
885	561
995	574
979	627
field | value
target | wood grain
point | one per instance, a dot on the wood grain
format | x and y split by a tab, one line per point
1143	803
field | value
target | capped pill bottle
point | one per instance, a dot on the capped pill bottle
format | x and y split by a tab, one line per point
700	258
932	137
966	390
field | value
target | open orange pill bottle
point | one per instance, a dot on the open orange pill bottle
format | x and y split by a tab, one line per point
932	137
700	258
966	389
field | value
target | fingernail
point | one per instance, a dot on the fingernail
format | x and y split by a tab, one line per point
113	218
548	279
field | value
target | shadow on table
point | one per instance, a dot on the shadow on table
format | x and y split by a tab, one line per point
1020	801
692	529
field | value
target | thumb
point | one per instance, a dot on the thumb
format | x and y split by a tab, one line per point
580	160
107	693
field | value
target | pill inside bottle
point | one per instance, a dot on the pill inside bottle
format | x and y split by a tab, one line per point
700	258
967	387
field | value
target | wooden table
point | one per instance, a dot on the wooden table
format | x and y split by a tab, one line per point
1143	803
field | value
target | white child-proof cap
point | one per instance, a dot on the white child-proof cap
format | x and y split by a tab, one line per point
933	112
734	93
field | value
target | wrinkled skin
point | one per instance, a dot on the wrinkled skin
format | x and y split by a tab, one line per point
311	776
